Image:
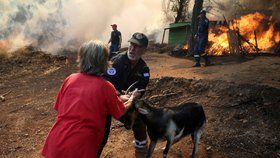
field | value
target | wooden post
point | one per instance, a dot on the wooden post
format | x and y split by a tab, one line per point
234	45
256	41
242	51
163	36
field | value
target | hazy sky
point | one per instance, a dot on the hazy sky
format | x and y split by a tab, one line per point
56	22
25	21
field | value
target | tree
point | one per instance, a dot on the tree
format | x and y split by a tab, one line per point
178	9
196	10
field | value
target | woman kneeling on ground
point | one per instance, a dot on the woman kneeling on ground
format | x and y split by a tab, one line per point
82	104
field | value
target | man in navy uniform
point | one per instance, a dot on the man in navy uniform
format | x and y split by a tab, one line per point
201	39
129	68
115	40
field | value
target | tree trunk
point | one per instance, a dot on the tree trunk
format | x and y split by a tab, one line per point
196	10
180	11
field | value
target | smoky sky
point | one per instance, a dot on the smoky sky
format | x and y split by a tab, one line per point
26	22
236	8
52	24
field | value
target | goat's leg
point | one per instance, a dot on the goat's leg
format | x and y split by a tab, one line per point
170	140
151	148
195	144
196	137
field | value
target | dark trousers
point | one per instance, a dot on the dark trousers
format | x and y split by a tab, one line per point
199	49
113	48
139	130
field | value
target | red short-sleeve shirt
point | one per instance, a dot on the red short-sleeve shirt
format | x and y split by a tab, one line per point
82	103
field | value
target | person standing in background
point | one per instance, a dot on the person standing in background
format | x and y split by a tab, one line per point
201	40
115	40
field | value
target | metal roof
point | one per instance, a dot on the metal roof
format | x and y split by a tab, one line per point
180	24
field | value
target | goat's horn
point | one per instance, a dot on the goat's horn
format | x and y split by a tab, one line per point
130	87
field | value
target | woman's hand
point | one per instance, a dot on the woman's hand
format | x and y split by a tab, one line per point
135	94
124	97
131	95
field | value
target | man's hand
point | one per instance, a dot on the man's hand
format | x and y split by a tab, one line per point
134	95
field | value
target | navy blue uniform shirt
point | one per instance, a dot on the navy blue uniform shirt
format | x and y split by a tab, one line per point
122	74
203	25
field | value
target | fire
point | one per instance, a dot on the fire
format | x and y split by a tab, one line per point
4	46
249	26
185	47
264	26
13	42
218	38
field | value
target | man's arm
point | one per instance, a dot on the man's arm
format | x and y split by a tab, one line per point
143	79
110	38
120	41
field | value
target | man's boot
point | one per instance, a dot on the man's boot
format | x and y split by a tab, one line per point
140	136
207	61
196	65
197	60
141	146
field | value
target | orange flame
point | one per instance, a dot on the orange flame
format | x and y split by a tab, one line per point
4	46
264	26
185	47
218	38
266	34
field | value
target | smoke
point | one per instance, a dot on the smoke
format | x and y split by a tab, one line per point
56	24
30	22
232	9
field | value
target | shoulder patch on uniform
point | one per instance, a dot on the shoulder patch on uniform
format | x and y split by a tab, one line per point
146	74
111	71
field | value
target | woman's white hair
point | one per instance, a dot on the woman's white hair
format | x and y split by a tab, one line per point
93	58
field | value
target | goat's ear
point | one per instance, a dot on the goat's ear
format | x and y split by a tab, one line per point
143	111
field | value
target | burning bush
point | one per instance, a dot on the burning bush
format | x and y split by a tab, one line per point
254	32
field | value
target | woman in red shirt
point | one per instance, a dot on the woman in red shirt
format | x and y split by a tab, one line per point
83	102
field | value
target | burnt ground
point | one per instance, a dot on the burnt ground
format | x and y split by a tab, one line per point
240	95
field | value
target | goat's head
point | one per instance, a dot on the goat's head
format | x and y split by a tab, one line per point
131	114
138	107
144	108
129	117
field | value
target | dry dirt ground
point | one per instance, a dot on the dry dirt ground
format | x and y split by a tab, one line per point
240	95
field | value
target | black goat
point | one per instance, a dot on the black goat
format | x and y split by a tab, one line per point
172	124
